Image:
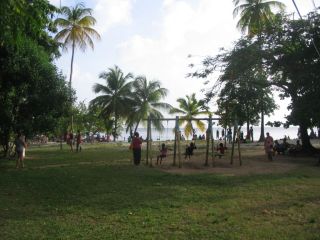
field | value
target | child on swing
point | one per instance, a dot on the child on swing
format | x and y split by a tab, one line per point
220	150
163	153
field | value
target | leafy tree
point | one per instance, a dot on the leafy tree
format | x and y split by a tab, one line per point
32	92
146	101
239	89
295	69
89	119
256	17
240	85
115	96
190	108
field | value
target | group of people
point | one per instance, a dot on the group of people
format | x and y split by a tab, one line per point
69	138
271	147
136	143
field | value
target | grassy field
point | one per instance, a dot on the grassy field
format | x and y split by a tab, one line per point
98	194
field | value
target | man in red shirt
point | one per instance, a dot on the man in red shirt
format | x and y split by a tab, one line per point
136	148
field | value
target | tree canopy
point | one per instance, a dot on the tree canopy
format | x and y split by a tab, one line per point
294	68
32	91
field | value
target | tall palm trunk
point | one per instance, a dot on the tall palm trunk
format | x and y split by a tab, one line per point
70	81
261	139
248	123
115	128
136	128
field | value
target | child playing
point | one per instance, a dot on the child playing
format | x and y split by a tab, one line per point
163	153
220	150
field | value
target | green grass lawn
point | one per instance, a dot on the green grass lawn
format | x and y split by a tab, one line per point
98	194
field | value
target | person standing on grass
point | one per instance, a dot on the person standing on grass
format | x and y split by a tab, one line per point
79	140
251	133
70	140
268	146
136	148
20	150
229	135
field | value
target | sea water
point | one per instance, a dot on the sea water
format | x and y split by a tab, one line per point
168	133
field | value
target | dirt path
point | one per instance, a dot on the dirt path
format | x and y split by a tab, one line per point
253	162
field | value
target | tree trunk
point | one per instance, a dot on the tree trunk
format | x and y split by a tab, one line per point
261	139
305	140
248	130
115	128
136	128
71	67
70	81
5	142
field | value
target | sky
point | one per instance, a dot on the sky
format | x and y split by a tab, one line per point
154	38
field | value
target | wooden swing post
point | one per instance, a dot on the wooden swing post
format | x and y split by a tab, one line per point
239	151
209	137
148	139
233	140
177	143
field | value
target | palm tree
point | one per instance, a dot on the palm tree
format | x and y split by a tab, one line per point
190	108
146	101
115	95
255	17
76	30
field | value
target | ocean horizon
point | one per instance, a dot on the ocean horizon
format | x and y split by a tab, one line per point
168	133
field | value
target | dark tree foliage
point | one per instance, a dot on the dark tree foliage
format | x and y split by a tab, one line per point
241	89
32	93
295	69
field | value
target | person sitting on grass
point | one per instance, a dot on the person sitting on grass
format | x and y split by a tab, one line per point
163	153
189	150
281	148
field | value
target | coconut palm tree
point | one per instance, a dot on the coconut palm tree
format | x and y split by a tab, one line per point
76	30
115	95
190	108
146	101
255	17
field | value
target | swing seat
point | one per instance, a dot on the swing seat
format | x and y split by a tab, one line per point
217	154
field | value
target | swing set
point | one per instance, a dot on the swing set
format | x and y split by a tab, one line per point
177	155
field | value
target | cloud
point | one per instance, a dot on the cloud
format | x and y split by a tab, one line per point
55	2
109	13
184	28
83	82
